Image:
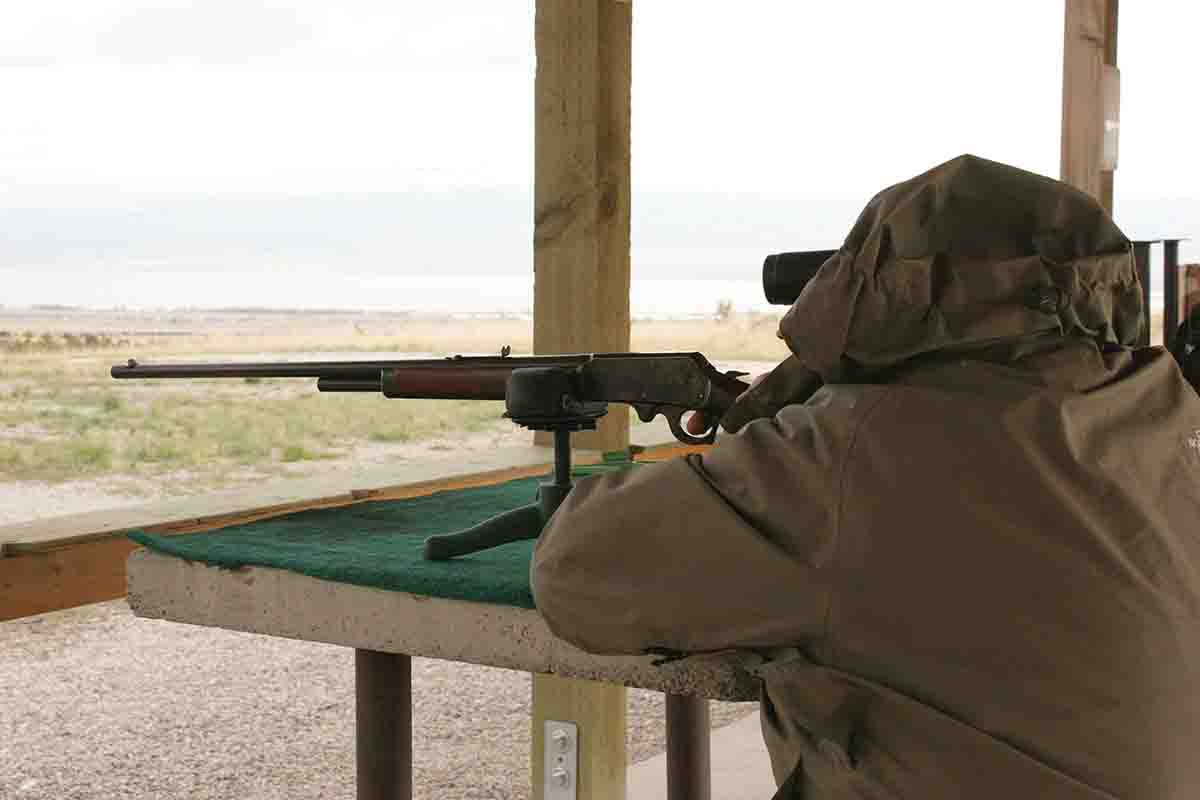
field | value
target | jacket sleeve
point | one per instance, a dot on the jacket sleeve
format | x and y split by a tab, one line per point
728	549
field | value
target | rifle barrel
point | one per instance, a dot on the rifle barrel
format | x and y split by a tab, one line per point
333	370
345	370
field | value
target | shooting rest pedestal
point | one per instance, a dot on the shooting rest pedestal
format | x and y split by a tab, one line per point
540	399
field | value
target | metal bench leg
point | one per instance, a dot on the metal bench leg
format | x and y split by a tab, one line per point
383	725
689	767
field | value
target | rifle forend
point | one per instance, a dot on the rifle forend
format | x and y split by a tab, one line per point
671	384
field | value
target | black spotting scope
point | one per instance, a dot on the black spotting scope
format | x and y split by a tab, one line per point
786	274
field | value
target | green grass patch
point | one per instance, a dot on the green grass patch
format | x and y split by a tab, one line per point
58	460
298	452
11	458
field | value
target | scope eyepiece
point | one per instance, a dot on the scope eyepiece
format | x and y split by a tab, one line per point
786	274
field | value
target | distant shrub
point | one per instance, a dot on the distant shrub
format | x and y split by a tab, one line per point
295	452
93	456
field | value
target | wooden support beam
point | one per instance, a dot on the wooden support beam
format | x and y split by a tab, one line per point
598	709
1089	60
581	292
581	187
1110	61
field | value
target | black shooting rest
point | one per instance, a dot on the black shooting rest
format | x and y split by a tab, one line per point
540	399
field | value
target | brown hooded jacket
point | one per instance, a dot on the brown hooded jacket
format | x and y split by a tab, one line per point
971	560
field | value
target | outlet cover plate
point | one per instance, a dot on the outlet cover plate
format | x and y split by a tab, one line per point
560	772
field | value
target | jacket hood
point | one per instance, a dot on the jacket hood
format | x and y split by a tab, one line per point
969	256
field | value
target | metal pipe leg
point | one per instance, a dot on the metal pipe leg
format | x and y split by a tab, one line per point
1141	259
689	766
383	725
1172	297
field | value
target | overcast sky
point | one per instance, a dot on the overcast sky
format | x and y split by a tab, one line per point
110	102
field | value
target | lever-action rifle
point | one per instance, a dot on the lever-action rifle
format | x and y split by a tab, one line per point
670	384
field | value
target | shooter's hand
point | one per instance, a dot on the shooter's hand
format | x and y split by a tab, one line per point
699	423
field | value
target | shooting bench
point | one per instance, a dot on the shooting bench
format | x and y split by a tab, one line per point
477	610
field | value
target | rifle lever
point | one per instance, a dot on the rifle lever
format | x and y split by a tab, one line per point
648	411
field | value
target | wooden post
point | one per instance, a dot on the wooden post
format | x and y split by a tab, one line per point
581	292
1110	62
1089	45
581	188
599	711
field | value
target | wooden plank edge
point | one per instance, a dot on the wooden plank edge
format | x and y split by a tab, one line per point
36	583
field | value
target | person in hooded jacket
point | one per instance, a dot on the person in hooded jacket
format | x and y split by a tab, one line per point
970	561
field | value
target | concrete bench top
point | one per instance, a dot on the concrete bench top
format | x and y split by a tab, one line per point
281	603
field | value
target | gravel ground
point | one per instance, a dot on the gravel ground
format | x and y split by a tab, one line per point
96	703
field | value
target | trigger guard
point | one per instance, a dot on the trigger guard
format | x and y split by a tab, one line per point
647	412
674	421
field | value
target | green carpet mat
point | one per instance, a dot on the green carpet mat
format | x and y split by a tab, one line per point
378	543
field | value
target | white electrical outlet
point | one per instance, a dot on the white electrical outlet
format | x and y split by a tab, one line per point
560	775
